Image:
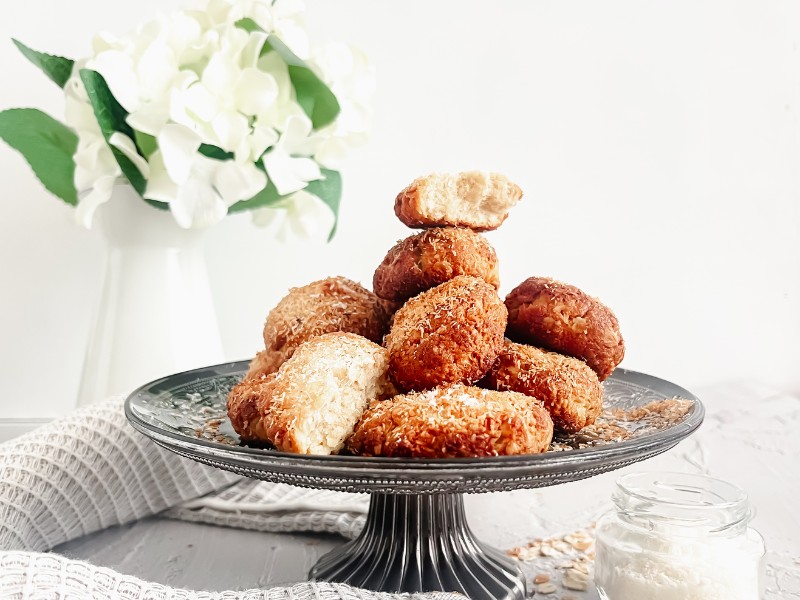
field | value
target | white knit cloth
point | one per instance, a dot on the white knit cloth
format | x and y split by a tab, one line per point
276	507
91	470
39	576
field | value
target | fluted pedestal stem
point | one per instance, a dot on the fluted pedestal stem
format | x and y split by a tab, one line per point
421	543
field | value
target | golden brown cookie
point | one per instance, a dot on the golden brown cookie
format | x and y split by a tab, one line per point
264	363
326	306
429	258
452	422
474	199
558	316
317	396
449	334
569	389
247	403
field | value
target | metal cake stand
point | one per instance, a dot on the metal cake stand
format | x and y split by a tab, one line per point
416	537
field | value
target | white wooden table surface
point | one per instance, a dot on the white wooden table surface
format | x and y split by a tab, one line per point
751	437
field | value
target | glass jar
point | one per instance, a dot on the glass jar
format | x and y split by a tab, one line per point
678	536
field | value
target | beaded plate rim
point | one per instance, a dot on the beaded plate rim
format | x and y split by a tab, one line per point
613	451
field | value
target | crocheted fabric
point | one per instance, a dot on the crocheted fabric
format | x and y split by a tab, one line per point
31	575
91	470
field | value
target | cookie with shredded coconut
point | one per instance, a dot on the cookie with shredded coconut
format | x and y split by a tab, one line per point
429	258
453	422
316	397
264	363
560	317
475	199
449	334
568	388
247	403
326	306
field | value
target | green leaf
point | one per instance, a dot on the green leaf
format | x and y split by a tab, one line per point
314	97
214	152
249	25
329	190
47	145
146	143
266	197
56	68
111	117
157	204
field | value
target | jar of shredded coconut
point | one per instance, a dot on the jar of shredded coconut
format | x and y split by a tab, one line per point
676	536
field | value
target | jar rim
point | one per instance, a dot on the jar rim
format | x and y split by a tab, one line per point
633	484
674	498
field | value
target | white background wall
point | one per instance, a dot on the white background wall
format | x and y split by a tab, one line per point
657	143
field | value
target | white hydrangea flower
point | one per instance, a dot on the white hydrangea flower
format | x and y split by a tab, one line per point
277	114
287	163
198	189
193	77
284	18
96	169
351	78
140	77
220	104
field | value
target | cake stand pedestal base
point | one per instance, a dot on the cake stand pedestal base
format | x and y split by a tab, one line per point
421	543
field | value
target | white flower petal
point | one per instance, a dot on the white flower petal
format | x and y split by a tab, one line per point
178	145
194	55
156	68
295	37
255	91
296	137
79	115
215	11
335	60
117	68
74	87
269	217
290	174
273	64
309	216
235	182
242	152
230	129
295	131
93	161
288	25
104	41
220	73
182	30
196	101
252	51
125	145
331	153
288	9
197	205
260	139
150	117
160	186
99	194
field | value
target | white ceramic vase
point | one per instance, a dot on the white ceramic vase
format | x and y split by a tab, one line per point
156	315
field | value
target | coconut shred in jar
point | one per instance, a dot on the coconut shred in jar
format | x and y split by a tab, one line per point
676	536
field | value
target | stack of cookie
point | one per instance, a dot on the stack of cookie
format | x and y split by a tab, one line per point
421	367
